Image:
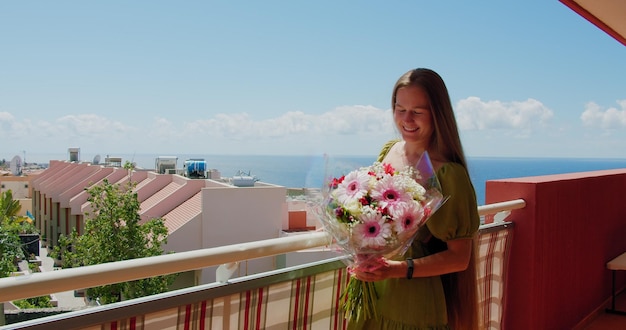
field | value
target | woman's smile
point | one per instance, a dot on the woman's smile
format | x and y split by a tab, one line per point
409	129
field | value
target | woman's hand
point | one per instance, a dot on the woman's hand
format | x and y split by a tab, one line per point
454	259
378	269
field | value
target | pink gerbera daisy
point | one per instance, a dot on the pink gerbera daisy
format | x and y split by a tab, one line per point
373	231
353	187
407	217
388	194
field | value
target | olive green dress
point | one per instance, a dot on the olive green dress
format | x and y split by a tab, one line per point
419	303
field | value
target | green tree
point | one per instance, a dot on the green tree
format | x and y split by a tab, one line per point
11	225
35	302
8	207
114	232
11	250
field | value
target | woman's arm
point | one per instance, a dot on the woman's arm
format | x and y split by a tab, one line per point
455	259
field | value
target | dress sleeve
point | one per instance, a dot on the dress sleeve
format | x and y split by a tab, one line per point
458	216
385	150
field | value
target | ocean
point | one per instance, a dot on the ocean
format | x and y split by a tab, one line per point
309	171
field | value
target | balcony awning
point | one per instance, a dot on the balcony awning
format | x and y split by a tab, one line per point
608	15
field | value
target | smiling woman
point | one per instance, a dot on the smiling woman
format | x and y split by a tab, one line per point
435	278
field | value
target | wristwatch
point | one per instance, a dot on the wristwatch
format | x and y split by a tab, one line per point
409	268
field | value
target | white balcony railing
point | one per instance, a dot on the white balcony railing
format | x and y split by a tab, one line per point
39	284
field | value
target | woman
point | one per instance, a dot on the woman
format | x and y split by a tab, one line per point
439	290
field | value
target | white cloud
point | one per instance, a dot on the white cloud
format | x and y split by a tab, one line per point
612	118
488	128
90	125
6	117
474	114
346	120
7	121
363	128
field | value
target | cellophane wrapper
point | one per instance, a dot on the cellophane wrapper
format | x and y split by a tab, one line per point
372	213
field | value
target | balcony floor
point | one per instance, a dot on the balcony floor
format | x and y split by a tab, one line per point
606	320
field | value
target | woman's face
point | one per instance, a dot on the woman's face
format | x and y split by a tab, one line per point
412	115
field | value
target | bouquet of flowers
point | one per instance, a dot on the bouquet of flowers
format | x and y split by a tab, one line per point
375	212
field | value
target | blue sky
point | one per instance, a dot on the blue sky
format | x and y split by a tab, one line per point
527	78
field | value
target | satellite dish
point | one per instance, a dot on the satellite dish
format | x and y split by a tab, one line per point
16	165
96	160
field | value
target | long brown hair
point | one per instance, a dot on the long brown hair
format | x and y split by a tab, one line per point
461	288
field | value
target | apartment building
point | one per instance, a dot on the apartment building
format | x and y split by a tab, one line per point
199	213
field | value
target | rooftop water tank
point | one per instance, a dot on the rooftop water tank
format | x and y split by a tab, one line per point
165	163
242	179
195	168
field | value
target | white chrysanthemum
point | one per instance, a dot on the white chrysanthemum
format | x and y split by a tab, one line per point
410	186
353	206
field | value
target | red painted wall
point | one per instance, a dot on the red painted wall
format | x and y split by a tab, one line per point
572	225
